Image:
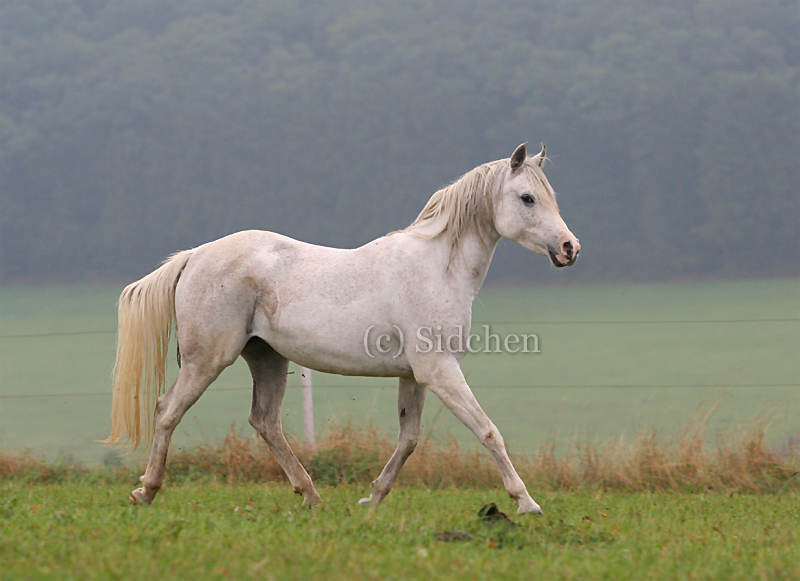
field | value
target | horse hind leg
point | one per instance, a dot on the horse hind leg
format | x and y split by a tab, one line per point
191	383
410	401
268	369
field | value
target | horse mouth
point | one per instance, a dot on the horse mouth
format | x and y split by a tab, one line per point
556	260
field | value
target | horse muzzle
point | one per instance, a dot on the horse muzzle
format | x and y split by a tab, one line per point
567	254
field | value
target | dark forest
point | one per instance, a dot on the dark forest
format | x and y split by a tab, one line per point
130	130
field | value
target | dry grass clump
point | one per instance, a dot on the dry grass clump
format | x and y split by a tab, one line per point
27	467
740	461
347	454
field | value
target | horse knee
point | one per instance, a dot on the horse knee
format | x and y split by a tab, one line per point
408	445
492	439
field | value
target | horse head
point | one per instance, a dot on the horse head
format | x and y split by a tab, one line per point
525	210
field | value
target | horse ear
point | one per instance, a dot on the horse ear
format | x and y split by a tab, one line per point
518	157
541	156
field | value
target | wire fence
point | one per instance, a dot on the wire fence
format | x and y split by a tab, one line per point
475	323
545	386
478	323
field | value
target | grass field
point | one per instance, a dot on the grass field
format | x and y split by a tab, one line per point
602	371
83	530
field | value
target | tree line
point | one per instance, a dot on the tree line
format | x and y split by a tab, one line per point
132	129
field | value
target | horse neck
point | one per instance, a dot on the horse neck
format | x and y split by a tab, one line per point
470	259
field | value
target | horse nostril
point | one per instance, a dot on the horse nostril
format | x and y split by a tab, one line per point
568	249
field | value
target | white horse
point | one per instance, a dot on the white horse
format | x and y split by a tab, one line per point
272	299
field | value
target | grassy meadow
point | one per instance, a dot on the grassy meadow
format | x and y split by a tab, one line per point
607	368
208	530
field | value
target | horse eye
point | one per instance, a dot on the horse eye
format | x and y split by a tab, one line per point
527	198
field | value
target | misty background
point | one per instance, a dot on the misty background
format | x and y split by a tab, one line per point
131	129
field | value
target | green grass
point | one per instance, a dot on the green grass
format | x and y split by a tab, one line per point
630	357
80	530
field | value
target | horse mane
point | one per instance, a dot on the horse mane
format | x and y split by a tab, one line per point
466	205
463	206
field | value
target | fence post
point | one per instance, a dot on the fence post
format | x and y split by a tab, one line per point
308	408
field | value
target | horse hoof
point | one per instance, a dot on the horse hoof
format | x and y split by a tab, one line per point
529	506
537	510
137	497
364	502
311	502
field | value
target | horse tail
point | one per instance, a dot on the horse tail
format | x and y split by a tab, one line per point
146	314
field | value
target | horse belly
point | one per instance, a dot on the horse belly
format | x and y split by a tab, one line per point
341	340
343	355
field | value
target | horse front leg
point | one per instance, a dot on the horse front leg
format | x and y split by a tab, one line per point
410	401
445	379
